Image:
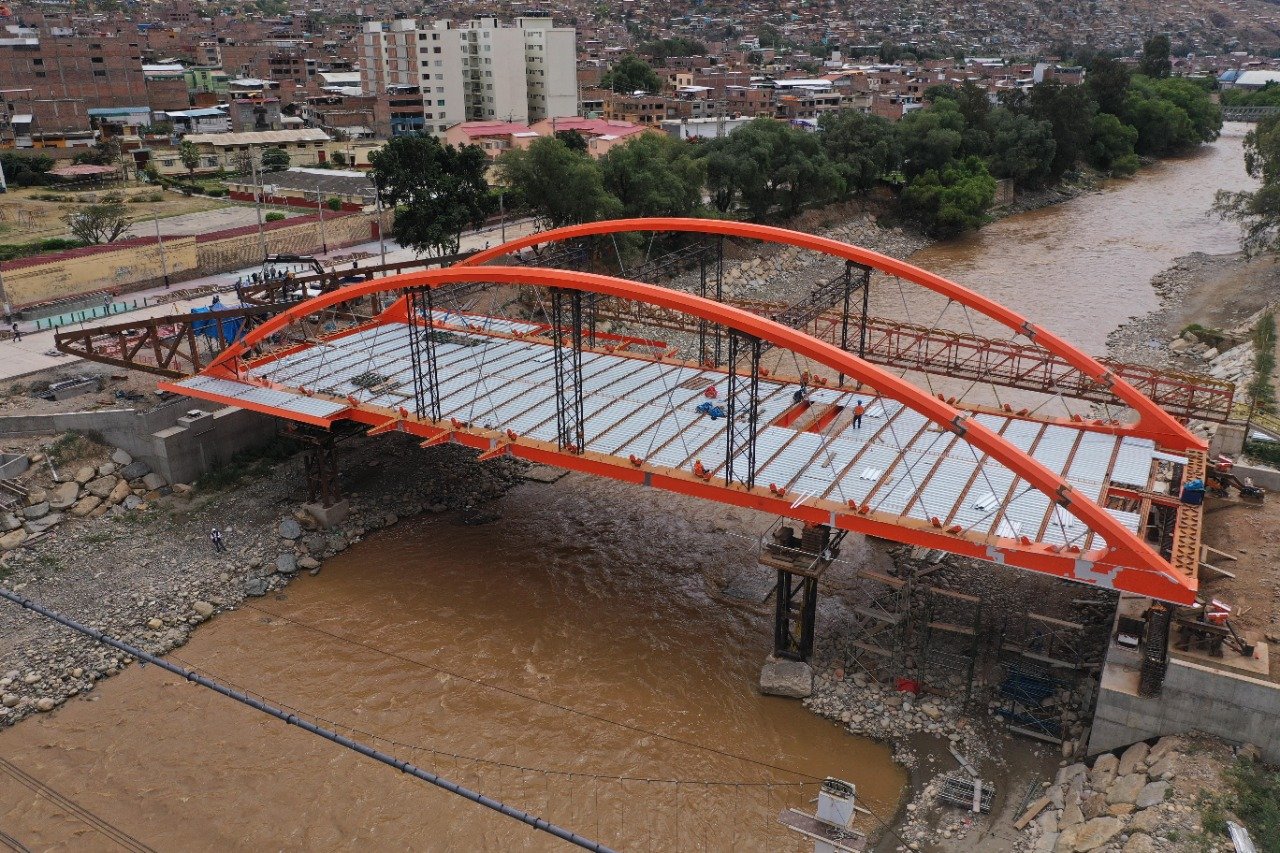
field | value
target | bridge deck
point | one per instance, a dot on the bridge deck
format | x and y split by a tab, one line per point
897	462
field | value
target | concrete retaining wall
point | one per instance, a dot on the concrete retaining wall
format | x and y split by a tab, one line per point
1267	478
1234	707
179	440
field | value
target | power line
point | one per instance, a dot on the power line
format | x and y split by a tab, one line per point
292	719
604	777
589	715
107	829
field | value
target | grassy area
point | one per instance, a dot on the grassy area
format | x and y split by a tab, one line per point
248	465
75	447
25	217
1252	797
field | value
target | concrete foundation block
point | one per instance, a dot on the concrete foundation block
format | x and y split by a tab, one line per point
791	678
329	516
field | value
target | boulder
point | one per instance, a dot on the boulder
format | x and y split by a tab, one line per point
35	511
43	523
1140	843
85	505
84	474
1126	789
286	564
255	587
134	470
202	608
107	469
1147	820
46	703
290	529
786	678
315	543
121	457
119	493
132	502
308	563
9	521
1163	747
1094	834
100	487
1132	758
37	495
12	539
1152	794
1071	814
1095	805
65	495
1104	772
154	481
1166	766
183	489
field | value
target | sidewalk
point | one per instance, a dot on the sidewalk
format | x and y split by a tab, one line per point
35	351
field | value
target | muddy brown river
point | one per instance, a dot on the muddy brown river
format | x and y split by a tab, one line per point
567	659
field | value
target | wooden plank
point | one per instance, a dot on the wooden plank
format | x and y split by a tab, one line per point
1211	567
947	626
1030	814
1209	549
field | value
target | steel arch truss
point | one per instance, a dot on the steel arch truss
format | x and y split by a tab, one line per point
1116	558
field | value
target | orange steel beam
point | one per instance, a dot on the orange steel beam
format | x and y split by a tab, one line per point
1153	422
1127	562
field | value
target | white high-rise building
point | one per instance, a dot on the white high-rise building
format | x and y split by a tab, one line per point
433	76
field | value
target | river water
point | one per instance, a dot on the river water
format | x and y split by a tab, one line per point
573	636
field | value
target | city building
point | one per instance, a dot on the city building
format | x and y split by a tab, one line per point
433	76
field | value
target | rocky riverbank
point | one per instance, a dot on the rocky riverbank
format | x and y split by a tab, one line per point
131	555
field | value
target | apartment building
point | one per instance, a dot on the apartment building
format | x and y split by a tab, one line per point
435	75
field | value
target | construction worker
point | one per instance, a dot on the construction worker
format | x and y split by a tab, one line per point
17	333
215	536
858	412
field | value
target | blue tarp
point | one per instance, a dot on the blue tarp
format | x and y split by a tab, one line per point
232	327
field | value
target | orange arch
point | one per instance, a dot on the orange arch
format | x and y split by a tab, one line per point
1153	422
1127	561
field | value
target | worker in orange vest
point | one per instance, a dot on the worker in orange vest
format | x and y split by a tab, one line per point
858	412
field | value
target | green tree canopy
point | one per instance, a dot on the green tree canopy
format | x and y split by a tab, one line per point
931	138
189	154
557	185
1022	148
437	191
631	74
274	159
766	165
1069	110
574	140
953	200
654	175
1171	115
664	49
1108	82
1155	57
862	147
1112	144
1257	211
104	222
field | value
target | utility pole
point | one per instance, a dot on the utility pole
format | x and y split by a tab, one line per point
164	263
324	242
377	198
257	200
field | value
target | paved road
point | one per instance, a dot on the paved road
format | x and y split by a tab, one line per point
35	351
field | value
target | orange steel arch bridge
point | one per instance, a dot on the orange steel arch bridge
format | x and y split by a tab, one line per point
842	445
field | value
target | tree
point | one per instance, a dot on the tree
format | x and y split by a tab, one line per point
974	105
664	49
274	159
1069	110
767	165
189	154
437	191
1111	145
862	147
103	222
1022	149
1108	82
654	175
1155	57
1171	115
27	171
631	74
557	185
1257	211
931	138
575	141
953	200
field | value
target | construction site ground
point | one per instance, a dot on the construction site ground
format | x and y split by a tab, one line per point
1251	533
